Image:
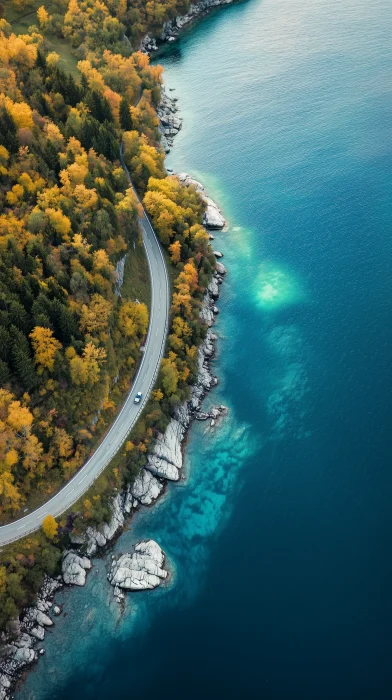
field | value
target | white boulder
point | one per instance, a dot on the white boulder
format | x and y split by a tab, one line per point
168	445
141	570
74	568
212	217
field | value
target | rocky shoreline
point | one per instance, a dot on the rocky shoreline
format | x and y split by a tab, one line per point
21	646
172	27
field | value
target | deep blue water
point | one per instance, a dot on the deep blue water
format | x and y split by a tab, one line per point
280	538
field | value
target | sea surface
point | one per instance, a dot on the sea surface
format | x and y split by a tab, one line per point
279	541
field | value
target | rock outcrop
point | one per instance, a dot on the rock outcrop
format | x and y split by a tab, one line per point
139	571
162	468
213	218
74	568
146	488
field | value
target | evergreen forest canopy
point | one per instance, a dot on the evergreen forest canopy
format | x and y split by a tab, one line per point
69	343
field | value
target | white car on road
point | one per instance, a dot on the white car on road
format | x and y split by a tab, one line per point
138	397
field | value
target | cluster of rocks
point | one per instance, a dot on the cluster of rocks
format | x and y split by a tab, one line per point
148	44
19	645
139	571
214	415
170	124
74	568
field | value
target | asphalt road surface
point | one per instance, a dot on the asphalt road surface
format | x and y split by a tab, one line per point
144	382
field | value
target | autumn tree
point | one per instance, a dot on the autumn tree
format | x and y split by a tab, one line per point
95	316
175	252
44	18
45	347
133	319
50	527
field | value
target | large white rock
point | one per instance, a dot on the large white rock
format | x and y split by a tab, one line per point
14	658
146	488
162	468
141	570
212	216
120	270
207	315
74	568
43	619
169	445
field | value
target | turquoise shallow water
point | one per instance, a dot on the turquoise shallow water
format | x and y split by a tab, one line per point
279	540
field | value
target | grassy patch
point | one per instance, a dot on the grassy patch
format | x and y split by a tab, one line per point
21	21
68	62
136	275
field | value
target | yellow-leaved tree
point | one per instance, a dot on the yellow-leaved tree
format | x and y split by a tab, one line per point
133	319
45	347
44	18
95	317
86	369
50	527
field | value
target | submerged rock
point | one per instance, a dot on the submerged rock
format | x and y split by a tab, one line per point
139	571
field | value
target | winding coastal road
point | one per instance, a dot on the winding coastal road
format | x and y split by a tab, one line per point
130	412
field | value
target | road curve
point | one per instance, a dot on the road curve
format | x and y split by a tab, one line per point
130	412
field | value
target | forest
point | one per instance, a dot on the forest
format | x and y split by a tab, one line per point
69	341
